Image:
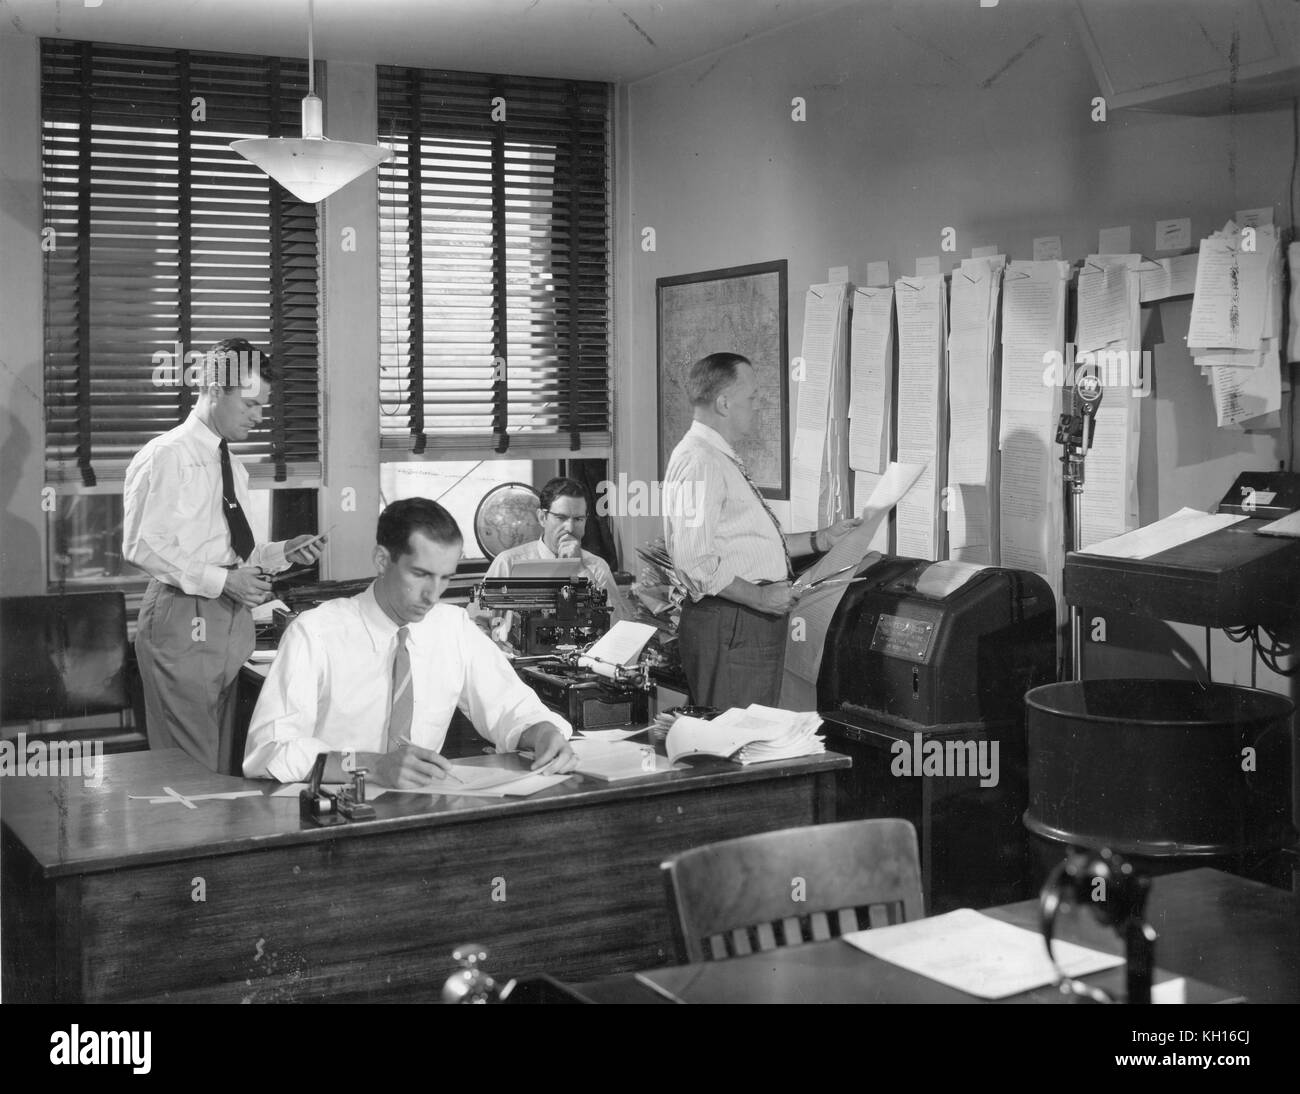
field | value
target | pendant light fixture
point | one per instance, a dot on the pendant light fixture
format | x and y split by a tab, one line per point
312	167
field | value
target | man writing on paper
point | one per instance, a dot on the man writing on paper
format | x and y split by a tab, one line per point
185	501
378	675
729	551
562	513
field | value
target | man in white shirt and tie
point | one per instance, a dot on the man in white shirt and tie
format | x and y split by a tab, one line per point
728	548
373	680
185	525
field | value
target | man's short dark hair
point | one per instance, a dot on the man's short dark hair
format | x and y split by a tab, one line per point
710	376
232	362
401	518
561	488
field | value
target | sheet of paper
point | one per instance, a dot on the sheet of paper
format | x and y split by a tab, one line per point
1103	300
1182	527
482	782
262	613
621	734
816	608
1244	393
977	954
292	790
1175	277
1228	307
620	645
920	304
1293	336
871	378
823	348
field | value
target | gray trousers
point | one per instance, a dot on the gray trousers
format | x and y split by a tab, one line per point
190	650
732	655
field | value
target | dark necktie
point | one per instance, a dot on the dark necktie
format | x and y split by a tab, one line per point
740	464
241	535
403	702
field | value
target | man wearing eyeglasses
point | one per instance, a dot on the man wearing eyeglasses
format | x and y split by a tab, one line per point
563	516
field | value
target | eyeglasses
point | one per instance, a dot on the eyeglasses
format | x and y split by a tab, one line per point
565	516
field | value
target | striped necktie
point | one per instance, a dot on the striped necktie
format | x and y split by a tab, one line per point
740	465
403	703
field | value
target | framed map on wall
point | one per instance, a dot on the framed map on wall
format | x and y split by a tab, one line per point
739	310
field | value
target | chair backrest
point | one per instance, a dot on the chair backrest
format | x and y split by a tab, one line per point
62	656
798	885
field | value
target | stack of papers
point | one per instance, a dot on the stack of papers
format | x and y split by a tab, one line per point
613	761
1235	332
753	735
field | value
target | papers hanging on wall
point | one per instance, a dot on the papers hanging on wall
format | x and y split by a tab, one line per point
922	305
871	389
1236	327
817	384
968	502
1029	487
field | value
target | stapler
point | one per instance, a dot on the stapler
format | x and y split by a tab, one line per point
324	807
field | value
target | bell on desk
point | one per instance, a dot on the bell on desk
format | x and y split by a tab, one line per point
471	984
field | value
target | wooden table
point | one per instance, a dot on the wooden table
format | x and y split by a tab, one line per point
1222	930
101	895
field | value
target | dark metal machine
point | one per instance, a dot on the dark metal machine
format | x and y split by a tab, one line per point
586	698
323	807
921	670
547	612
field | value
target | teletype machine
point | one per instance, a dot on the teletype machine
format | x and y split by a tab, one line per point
922	682
553	621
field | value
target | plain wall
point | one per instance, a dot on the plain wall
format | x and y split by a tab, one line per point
923	115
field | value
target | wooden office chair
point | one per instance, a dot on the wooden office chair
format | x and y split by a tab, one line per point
742	896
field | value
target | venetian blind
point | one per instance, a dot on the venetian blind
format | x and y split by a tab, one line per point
494	261
161	241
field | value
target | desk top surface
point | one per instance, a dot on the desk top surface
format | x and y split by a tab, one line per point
71	828
1239	936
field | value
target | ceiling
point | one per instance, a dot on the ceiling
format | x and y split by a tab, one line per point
618	41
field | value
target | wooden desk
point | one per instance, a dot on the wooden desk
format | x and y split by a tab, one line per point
99	892
1217	928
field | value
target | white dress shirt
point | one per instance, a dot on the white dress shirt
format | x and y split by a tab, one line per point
726	534
174	528
597	570
330	686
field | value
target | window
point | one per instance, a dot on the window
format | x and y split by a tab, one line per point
160	241
494	265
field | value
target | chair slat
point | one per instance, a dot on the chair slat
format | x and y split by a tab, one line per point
717	948
791	931
740	942
821	928
847	920
766	937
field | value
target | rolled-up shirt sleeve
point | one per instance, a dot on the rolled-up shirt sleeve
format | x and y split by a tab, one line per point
281	736
149	532
500	705
704	570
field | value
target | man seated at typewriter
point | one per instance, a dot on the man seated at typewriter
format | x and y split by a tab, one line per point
380	674
562	514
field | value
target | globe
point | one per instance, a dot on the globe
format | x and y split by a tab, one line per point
507	517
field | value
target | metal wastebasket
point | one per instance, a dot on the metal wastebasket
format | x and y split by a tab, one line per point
1160	768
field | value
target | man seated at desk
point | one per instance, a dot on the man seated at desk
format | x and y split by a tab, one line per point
562	513
379	674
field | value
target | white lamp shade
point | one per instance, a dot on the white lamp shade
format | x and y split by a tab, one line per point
311	168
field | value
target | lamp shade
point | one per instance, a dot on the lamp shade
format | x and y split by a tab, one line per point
311	168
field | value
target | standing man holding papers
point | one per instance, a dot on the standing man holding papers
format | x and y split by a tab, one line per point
185	525
728	549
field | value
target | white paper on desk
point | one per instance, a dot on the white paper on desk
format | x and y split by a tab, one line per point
609	734
262	657
1183	527
612	761
262	613
1288	525
292	790
976	954
482	782
620	645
